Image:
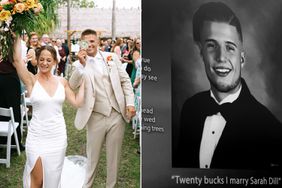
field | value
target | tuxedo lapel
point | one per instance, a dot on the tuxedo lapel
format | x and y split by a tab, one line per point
231	146
112	71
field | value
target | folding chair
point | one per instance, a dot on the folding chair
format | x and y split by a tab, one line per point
24	113
136	120
8	128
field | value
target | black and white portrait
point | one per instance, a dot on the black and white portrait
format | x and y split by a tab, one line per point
226	84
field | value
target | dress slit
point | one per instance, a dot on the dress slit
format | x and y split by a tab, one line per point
29	170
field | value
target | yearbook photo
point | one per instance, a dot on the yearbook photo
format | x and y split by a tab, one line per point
226	96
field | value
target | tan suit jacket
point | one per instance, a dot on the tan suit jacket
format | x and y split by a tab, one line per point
120	81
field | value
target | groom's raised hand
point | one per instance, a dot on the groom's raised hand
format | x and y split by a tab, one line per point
82	57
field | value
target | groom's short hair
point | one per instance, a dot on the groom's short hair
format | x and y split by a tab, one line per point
88	32
215	12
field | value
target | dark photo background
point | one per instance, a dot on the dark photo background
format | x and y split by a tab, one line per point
262	40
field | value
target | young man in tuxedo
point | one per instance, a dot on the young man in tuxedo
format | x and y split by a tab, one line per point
225	127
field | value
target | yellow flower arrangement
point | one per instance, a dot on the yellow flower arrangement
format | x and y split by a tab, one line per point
5	15
17	16
30	4
19	8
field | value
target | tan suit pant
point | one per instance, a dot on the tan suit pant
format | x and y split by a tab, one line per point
99	129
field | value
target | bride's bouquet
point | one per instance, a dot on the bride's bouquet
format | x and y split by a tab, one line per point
18	16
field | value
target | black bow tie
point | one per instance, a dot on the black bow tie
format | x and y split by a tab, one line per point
225	109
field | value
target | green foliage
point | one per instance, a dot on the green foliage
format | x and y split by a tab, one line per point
78	3
8	6
42	23
48	19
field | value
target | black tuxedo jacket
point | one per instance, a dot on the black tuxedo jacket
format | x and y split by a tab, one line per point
251	139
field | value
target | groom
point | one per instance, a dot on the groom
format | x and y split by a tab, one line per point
108	105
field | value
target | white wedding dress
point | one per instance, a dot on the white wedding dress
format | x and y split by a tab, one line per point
46	137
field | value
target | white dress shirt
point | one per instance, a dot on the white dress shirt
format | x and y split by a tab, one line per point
213	128
99	62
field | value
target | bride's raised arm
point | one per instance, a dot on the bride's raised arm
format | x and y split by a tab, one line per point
27	78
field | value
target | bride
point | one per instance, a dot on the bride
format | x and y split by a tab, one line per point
46	140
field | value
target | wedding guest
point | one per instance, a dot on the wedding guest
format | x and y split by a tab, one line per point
46	140
137	82
126	57
63	59
108	45
130	69
137	59
10	95
128	47
45	40
65	46
116	47
53	42
32	45
123	46
33	41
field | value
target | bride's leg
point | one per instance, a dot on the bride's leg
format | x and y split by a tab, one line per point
37	175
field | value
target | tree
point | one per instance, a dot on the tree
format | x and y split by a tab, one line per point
75	3
114	20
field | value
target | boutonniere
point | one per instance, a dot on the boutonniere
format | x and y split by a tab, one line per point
109	61
109	58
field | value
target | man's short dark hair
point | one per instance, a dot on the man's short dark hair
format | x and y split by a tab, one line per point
88	32
214	11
